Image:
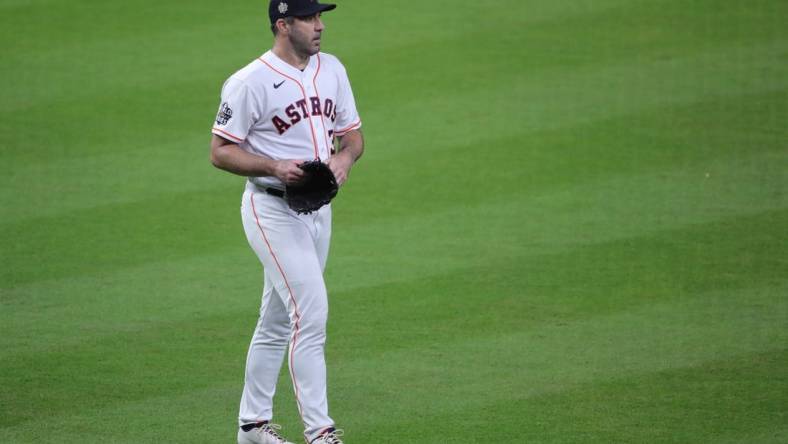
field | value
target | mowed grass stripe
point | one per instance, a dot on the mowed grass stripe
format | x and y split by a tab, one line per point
172	31
528	295
120	45
505	298
144	240
468	70
539	101
158	359
508	369
648	339
666	406
538	271
200	415
595	410
687	194
616	207
123	180
652	138
574	97
197	159
150	295
672	405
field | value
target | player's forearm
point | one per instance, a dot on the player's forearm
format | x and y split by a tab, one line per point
352	145
230	157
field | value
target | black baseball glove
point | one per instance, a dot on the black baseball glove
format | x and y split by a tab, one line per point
316	189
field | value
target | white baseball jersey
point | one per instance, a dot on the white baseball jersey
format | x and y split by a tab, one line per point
274	109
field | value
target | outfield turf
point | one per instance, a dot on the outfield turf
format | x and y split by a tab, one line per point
569	225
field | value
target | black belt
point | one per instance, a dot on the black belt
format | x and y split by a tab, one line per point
274	192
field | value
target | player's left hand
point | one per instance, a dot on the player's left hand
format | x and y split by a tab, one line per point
340	165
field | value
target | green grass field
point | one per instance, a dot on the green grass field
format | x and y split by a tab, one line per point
569	225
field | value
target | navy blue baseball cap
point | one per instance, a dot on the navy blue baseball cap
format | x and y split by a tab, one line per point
296	8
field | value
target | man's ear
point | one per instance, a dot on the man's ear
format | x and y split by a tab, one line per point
281	25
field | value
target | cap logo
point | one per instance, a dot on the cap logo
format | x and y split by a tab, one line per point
282	7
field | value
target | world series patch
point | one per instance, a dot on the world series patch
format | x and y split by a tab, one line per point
225	114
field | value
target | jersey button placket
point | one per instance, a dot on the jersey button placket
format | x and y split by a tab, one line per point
306	80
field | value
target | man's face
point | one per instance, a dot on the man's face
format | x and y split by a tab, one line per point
305	33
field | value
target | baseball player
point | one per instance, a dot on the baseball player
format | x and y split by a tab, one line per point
282	109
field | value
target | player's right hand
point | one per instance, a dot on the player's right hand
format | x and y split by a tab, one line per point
288	171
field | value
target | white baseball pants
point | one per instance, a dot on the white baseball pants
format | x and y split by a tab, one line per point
293	249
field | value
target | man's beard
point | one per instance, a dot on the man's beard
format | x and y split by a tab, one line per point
303	46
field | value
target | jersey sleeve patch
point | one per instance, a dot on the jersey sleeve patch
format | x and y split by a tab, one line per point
225	114
237	112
